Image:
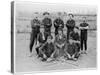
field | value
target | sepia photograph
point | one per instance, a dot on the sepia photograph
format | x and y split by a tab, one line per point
54	37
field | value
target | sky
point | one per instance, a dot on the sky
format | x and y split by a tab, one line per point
27	8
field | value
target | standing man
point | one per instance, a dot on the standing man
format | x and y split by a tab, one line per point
70	24
35	25
84	27
47	22
58	23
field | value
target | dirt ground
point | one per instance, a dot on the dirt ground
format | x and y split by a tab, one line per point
24	63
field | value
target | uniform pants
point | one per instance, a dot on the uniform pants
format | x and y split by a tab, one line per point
68	32
33	37
56	31
47	31
83	43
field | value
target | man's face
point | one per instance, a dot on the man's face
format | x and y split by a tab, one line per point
70	41
36	17
46	16
60	32
70	16
41	29
75	30
49	40
84	19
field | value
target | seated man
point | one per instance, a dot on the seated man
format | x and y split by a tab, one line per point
47	49
73	46
41	39
60	41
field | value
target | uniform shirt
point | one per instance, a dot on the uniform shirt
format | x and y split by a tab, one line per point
71	48
61	40
70	24
48	48
58	42
84	31
47	22
74	36
58	23
35	25
41	39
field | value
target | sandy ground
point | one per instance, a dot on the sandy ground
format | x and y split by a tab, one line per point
24	63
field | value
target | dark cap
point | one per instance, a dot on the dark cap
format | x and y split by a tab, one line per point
60	29
46	13
71	14
50	37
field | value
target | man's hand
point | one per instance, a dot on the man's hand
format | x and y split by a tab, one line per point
51	55
55	23
82	28
60	46
71	41
76	41
44	56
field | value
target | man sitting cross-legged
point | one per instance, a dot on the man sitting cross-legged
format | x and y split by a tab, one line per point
73	46
60	41
47	49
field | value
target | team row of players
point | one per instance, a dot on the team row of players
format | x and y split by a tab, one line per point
63	45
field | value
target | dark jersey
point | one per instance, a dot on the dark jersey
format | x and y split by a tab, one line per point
59	40
58	23
47	22
48	48
74	36
71	48
35	25
84	31
70	24
40	38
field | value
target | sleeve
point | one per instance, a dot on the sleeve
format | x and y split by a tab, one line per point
87	24
55	39
67	24
87	27
39	22
55	23
70	35
78	37
73	23
65	39
53	45
80	26
62	23
38	37
44	45
50	22
42	22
